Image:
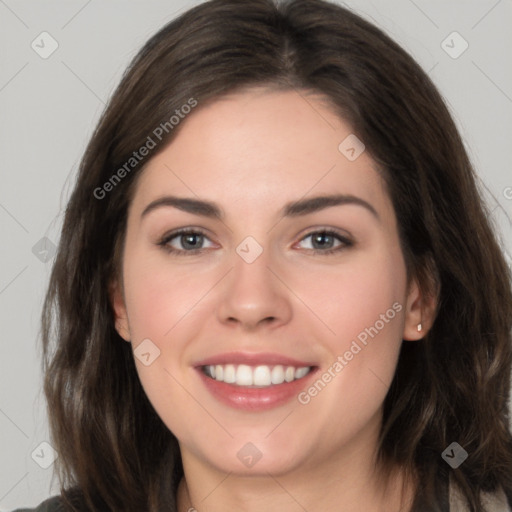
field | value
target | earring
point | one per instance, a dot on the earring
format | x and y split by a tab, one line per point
420	327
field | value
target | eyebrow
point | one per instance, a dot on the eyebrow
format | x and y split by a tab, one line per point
314	204
292	209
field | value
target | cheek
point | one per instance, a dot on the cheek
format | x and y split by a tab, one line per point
162	306
363	307
365	310
157	298
352	298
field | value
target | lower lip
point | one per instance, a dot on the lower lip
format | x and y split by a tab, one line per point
255	399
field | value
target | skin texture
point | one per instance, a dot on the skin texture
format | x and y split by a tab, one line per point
251	153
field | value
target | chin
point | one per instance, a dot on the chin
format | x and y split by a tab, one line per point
255	459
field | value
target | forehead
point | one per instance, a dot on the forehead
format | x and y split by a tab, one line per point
261	147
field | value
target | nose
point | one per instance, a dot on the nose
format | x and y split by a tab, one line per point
252	296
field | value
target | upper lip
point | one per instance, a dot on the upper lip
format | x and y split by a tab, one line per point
253	359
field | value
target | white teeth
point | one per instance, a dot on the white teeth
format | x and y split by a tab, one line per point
277	374
229	373
301	372
260	376
244	375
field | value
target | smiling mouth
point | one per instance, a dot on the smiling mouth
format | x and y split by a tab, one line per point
260	376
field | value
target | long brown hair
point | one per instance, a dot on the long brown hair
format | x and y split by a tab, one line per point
114	451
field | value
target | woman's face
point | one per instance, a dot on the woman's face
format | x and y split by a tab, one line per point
292	269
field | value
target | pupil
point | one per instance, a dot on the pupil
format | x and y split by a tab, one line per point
190	240
321	238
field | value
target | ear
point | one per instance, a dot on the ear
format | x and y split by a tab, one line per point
116	295
420	310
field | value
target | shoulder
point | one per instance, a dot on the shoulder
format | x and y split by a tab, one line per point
53	504
495	502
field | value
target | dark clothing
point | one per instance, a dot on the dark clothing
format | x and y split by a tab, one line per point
52	504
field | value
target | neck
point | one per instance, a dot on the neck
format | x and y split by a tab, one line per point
264	493
343	482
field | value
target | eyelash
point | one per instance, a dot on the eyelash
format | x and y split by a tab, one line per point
345	242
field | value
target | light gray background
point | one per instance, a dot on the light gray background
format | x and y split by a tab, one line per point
49	107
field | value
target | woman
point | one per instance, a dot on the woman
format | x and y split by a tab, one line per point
277	286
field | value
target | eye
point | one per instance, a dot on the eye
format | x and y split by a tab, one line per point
185	241
192	240
326	241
